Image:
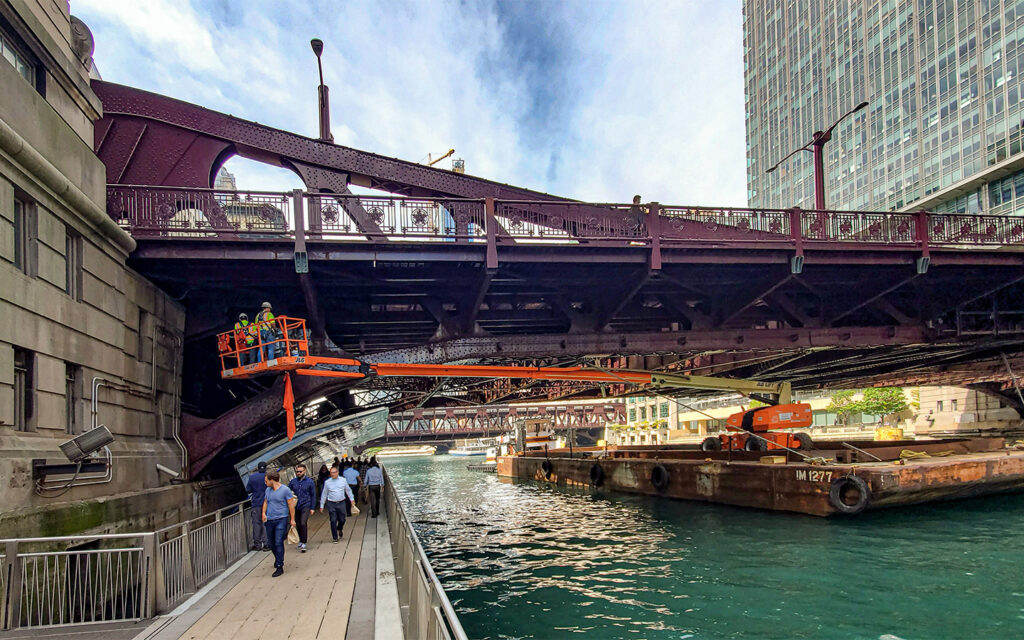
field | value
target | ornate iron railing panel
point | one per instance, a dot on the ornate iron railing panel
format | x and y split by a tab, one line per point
858	226
967	229
570	221
738	225
198	213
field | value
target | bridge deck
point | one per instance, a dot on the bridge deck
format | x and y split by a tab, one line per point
336	591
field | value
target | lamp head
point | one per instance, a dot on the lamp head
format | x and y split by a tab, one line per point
318	46
861	106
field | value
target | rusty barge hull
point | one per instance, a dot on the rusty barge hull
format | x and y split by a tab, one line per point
795	487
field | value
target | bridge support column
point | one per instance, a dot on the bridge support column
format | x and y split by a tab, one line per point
491	228
921	235
796	262
654	231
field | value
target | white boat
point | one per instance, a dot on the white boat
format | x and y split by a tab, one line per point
471	447
405	452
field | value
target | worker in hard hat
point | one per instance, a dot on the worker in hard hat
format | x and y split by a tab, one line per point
267	324
245	337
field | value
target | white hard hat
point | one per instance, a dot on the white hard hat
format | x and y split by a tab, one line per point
266	305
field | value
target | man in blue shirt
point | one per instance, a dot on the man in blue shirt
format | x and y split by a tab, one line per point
335	494
305	497
256	487
352	478
278	513
374	481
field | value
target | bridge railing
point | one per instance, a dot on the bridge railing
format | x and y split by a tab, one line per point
180	213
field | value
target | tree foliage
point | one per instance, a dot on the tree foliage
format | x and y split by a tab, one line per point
877	401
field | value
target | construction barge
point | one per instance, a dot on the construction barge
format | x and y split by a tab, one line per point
832	478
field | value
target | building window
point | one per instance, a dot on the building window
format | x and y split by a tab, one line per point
664	409
72	396
632	414
643	413
938	406
73	261
23	234
23	389
953	405
25	68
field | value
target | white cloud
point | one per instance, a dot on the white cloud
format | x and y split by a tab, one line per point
653	103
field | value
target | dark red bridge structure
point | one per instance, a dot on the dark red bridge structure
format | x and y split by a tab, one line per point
448	423
447	267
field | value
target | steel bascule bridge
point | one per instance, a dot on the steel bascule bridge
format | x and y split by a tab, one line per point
446	267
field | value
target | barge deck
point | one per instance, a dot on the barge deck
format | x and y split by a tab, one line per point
828	481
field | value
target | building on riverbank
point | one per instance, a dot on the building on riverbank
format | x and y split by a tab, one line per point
84	340
652	420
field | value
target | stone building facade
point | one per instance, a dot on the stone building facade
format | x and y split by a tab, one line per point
75	321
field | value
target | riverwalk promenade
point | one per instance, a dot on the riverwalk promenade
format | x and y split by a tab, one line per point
345	590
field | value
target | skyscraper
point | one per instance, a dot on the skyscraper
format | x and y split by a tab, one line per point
942	130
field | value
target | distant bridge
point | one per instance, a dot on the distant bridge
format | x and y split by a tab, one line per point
448	423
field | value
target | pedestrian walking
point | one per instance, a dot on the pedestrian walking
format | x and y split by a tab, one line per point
637	215
352	478
333	497
374	482
363	492
321	478
256	487
305	498
278	515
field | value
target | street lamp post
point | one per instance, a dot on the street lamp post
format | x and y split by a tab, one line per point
325	104
817	147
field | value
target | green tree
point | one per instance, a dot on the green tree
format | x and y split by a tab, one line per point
883	401
877	401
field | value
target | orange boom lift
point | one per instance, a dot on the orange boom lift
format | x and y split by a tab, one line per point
756	429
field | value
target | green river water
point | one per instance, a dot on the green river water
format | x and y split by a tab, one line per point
526	560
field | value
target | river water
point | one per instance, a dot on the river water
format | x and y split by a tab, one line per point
527	560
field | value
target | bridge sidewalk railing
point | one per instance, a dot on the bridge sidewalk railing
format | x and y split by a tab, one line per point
87	579
187	213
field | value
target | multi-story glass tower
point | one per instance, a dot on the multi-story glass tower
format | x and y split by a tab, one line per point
942	130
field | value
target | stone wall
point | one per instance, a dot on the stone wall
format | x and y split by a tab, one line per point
72	314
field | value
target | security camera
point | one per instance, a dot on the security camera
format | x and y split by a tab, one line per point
80	447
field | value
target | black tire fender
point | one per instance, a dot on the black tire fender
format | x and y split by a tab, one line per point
660	477
803	441
838	490
755	443
596	475
547	467
711	443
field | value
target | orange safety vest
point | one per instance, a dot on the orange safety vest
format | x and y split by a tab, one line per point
244	332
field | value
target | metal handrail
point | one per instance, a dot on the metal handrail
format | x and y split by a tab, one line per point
445	620
121	582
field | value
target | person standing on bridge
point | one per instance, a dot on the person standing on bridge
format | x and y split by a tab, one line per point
305	498
637	215
257	489
266	321
352	478
245	336
335	493
374	481
278	515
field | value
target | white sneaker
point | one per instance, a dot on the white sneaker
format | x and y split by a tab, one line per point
302	547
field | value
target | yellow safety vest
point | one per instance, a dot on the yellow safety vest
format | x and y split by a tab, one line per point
244	331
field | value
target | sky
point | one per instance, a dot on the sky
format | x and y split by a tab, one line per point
592	100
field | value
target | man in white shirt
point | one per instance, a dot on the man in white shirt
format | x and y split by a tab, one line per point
334	496
374	481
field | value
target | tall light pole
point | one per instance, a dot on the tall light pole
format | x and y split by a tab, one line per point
325	100
816	146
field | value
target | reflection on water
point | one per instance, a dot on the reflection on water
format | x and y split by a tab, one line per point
523	560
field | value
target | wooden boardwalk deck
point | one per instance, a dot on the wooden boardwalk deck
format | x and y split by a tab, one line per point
337	591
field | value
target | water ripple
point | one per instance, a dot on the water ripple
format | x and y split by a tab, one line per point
529	561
